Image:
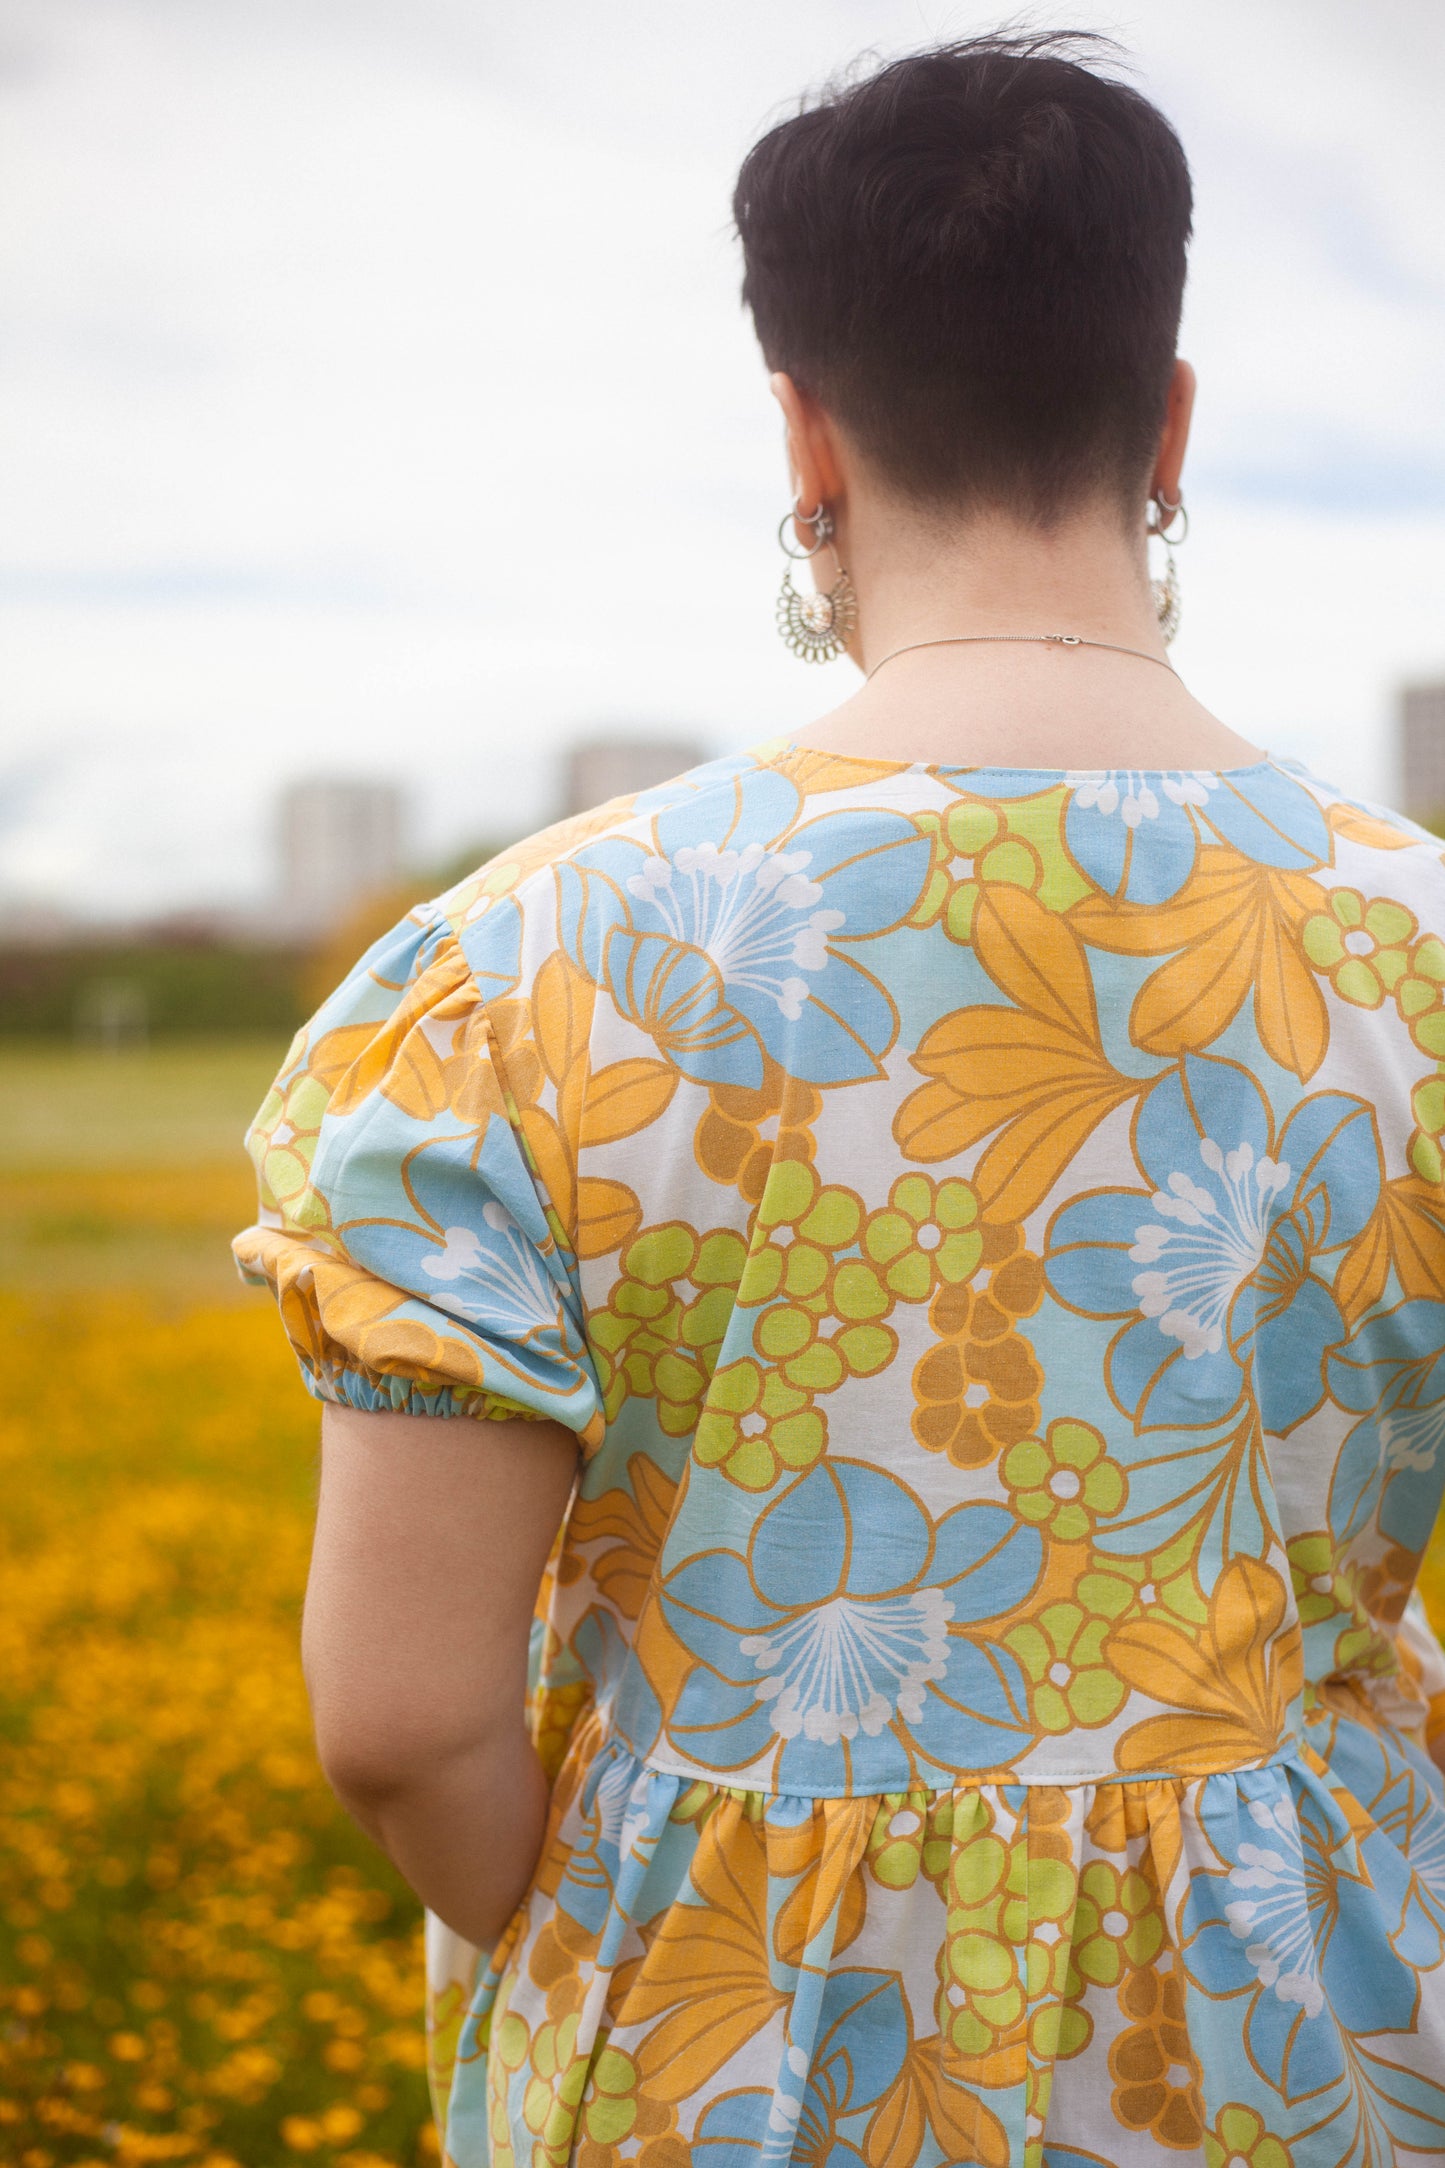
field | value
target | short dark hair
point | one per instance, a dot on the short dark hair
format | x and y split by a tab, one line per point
974	259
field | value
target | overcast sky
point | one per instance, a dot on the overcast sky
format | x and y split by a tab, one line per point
374	396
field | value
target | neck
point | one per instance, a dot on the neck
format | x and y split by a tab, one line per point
920	579
1015	705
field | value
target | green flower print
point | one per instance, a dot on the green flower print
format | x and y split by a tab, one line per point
1064	1482
1419	995
802	1225
1321	1590
974	842
555	2088
925	1237
609	2106
816	1352
912	1835
1427	1104
1361	947
756	1424
283	1142
1162	1586
1326	1588
1239	2140
1062	1650
970	843
572	2095
819	1321
659	1336
1117	1923
1420	998
999	1898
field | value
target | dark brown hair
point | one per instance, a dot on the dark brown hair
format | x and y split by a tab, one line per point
974	259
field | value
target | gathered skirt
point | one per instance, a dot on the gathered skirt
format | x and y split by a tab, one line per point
1246	1967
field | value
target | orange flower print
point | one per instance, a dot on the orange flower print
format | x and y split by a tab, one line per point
976	1390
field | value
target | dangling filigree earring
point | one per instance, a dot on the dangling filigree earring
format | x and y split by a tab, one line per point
1161	517
816	625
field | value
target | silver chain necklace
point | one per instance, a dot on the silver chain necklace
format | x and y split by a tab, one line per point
1045	639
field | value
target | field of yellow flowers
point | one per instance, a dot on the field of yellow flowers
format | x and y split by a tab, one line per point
201	1959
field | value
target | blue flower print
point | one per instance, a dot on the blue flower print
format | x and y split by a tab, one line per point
1107	805
824	1639
1403	1793
1391	1374
1261	811
823	2102
1267	815
473	1247
725	937
491	941
1212	1268
612	1831
1287	1922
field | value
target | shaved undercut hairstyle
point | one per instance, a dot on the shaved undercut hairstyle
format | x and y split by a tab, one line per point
974	259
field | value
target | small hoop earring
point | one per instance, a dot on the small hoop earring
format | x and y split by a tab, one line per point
1158	524
817	625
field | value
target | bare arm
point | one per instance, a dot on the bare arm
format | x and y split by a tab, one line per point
431	1536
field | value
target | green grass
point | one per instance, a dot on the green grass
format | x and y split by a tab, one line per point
169	1105
125	1173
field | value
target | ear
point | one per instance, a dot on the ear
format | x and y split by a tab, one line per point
1169	462
815	469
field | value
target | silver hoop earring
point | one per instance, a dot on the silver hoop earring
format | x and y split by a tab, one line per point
816	625
1159	524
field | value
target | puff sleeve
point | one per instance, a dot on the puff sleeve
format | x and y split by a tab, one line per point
418	1260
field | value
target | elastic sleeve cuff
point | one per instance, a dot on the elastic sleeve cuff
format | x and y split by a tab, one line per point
362	1343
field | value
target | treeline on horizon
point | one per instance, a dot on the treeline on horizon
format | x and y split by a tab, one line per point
184	983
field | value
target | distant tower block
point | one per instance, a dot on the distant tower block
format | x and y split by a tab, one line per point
606	768
340	840
1422	749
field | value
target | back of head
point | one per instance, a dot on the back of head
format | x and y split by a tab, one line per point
974	259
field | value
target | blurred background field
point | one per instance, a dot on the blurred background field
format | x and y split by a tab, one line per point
201	1960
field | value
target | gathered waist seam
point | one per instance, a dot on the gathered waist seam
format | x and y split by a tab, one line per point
1290	1749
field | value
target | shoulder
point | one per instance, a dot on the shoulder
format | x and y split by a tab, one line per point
1362	819
514	906
1374	843
524	867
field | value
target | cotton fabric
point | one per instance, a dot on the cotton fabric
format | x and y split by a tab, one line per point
986	1231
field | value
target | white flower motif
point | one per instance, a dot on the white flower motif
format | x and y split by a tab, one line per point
1411	1436
1205	1244
787	2105
1190	786
1130	793
848	1665
753	911
1275	1926
519	1297
611	1799
1114	790
461	1254
656	875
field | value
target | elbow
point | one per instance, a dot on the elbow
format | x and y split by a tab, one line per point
374	1756
364	1769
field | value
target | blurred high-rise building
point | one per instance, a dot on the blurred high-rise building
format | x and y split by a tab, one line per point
602	768
1422	750
341	839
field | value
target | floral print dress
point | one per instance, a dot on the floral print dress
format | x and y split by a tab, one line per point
986	1231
